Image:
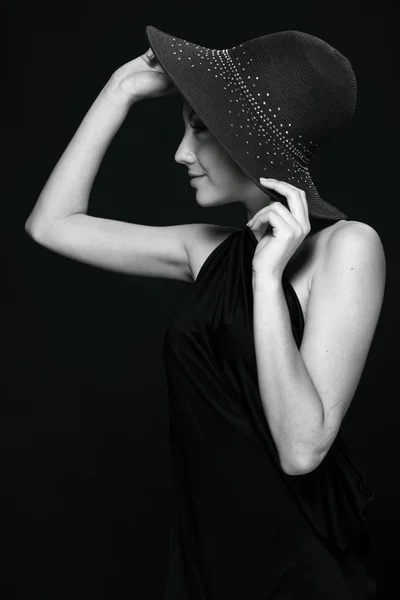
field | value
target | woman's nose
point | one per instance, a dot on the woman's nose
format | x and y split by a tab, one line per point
184	155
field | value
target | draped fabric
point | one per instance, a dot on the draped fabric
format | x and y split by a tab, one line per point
242	527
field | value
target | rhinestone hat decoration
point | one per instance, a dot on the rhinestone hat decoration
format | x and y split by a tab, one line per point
271	101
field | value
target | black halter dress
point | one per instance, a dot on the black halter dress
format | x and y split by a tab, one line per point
242	529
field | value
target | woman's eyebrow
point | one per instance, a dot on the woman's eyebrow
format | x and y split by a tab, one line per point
192	113
189	113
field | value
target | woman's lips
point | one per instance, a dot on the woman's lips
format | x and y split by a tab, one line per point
196	178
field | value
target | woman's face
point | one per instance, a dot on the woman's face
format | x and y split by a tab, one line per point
221	181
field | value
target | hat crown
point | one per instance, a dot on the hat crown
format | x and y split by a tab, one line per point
311	82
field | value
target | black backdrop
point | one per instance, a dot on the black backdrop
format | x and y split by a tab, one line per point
85	461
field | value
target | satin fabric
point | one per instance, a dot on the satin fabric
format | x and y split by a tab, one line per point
242	528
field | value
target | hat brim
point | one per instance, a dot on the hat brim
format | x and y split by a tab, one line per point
206	92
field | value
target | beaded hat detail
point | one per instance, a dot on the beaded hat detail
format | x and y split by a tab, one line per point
271	101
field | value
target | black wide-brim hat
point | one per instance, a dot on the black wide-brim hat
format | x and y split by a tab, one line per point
270	102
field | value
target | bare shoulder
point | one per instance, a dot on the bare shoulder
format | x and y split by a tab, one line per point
352	235
205	239
353	240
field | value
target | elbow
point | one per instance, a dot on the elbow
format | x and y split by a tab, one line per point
29	229
300	466
290	469
32	230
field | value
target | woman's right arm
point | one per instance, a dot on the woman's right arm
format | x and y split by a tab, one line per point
68	188
59	220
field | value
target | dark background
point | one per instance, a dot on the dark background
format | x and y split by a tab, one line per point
85	460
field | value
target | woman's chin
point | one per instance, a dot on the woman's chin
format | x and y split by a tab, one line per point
207	195
205	200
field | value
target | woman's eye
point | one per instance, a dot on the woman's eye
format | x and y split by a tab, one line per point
198	127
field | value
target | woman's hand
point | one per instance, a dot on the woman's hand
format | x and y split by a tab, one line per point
143	77
289	228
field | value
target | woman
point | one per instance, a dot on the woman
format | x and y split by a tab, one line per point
263	361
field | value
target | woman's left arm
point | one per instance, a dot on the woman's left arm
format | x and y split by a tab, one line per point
306	393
